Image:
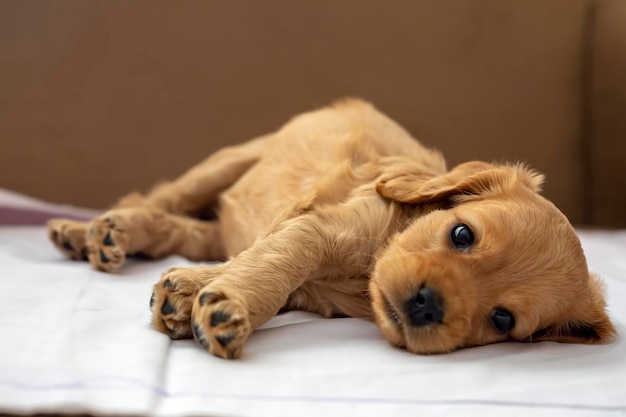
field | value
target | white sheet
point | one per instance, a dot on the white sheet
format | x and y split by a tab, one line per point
76	340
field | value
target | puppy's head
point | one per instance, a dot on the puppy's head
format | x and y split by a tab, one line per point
497	262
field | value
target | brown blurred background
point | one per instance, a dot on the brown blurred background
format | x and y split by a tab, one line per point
98	98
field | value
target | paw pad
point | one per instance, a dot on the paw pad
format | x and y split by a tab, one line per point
167	308
219	317
225	340
108	241
104	258
199	335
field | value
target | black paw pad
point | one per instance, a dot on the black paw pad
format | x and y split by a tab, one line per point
167	308
108	241
205	298
152	299
219	317
68	245
199	336
104	258
225	340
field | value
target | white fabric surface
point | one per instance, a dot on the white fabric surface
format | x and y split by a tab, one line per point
76	340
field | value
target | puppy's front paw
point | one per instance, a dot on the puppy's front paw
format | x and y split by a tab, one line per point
107	242
220	323
69	237
172	300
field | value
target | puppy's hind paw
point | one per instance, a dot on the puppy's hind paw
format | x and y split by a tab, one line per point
69	237
106	244
221	325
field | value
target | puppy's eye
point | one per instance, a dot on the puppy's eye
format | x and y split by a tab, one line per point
502	319
462	236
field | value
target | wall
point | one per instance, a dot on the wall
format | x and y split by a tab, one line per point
99	98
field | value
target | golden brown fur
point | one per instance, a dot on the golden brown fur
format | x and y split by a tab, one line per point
342	212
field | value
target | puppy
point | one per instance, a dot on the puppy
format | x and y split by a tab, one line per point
341	212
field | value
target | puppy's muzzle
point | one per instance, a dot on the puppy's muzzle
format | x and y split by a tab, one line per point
424	308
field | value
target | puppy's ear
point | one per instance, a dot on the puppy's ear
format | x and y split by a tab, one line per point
588	324
469	179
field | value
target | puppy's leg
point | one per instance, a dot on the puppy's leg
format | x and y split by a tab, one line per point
196	189
199	187
173	296
257	283
152	232
253	287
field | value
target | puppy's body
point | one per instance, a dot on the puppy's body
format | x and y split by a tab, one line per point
326	162
341	212
318	159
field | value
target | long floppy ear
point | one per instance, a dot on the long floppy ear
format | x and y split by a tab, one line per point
589	323
470	178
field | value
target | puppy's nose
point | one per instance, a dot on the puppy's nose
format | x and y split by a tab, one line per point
424	308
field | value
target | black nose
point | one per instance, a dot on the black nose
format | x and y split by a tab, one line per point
424	308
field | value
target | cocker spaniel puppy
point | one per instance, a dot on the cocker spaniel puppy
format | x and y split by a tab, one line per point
341	212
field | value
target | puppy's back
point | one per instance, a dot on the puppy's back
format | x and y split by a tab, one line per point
318	157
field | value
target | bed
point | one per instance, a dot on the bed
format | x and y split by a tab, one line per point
74	340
